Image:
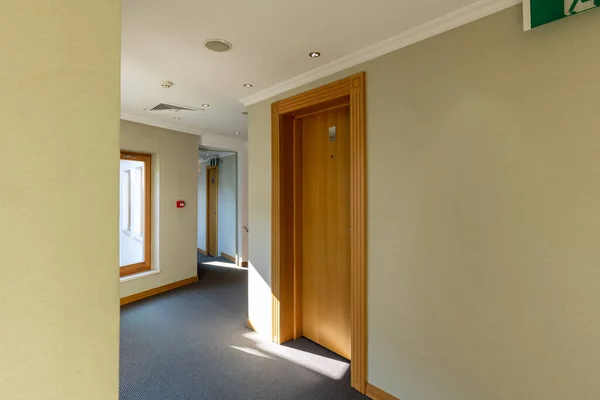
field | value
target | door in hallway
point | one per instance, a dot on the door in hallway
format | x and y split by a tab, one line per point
212	182
325	141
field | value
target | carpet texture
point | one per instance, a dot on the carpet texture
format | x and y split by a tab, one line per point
192	343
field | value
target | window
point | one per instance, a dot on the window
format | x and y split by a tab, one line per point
125	203
135	210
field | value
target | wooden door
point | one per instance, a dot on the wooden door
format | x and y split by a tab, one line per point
212	182
326	229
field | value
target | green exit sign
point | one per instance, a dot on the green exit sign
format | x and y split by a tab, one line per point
540	12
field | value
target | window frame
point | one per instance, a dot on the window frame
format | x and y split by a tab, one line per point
145	265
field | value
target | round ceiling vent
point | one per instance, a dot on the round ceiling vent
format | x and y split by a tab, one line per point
218	45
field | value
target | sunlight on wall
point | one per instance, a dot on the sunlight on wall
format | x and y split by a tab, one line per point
259	302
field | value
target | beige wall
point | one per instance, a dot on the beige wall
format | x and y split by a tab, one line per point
59	152
483	212
175	169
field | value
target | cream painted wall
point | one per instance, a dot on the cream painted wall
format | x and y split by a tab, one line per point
483	213
59	191
175	177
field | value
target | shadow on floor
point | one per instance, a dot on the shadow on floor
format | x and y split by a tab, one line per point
192	343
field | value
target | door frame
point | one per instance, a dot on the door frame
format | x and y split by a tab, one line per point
285	238
209	167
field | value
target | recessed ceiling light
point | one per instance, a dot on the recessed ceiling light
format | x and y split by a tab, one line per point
237	133
176	118
314	54
247	85
218	45
205	105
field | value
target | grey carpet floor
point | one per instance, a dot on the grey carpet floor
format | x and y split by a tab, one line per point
192	343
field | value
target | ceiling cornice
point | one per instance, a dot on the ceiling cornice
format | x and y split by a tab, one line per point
140	120
462	16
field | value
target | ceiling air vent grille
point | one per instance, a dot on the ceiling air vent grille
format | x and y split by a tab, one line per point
172	107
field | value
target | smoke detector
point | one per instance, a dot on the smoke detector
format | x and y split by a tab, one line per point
218	45
166	84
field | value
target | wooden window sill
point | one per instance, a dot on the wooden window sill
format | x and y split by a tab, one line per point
139	275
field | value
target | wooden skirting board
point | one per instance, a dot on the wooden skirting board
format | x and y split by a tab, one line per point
160	289
375	393
201	251
227	256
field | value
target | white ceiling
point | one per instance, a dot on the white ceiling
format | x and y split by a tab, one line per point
271	39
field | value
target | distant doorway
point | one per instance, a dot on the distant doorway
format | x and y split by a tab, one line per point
218	204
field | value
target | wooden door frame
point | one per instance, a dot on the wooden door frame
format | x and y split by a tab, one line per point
209	167
284	213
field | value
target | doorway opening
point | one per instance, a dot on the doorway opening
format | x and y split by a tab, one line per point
318	233
218	205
